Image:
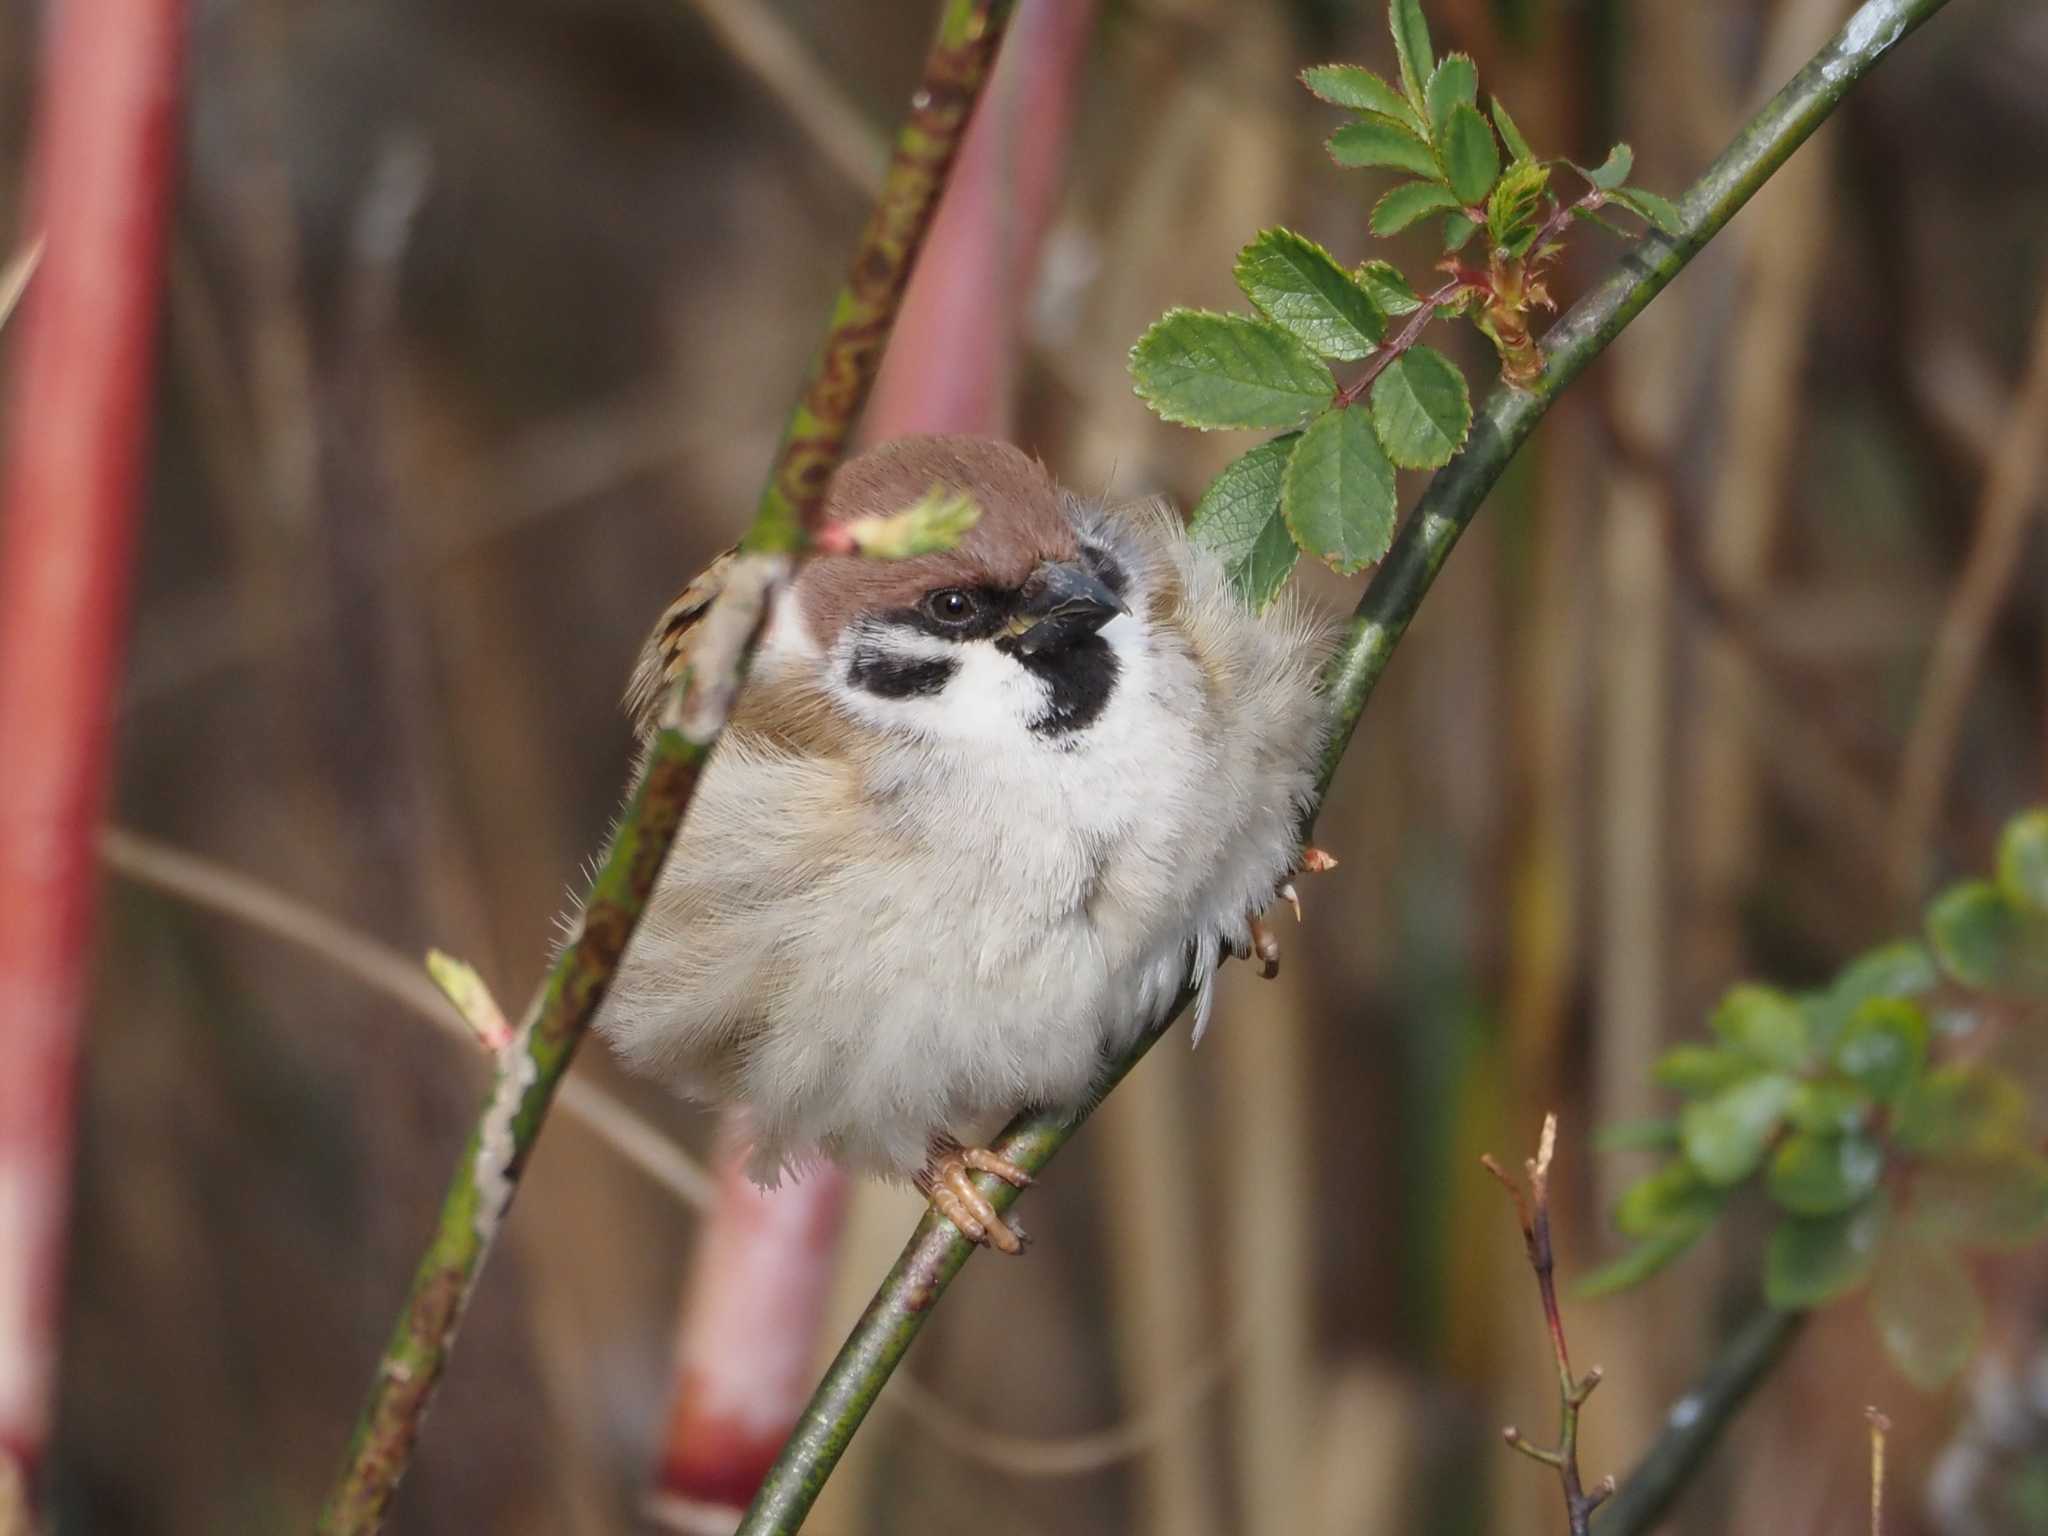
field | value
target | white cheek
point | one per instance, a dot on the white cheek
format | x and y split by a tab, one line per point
989	700
788	633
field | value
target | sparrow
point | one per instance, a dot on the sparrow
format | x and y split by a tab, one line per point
976	819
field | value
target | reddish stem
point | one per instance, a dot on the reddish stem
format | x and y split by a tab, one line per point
1406	337
103	158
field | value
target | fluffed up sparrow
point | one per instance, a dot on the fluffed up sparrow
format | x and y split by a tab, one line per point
976	819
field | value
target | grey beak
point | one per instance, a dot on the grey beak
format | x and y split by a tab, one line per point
1063	603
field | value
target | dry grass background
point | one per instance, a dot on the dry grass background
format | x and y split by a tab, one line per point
483	322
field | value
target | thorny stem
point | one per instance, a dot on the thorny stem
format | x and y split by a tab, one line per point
533	1064
936	1252
1532	1208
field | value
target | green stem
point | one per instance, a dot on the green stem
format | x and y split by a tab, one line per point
532	1066
936	1252
1695	1422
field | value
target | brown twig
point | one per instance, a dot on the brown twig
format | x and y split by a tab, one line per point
1384	354
1532	1208
1980	592
1880	1426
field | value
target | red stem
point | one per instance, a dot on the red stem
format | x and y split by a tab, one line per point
103	159
1406	337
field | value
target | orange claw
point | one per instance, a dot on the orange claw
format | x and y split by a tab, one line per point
1316	861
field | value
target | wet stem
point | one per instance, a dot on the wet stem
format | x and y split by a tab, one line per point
1532	1209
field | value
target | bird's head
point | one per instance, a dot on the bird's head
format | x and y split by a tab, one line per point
999	633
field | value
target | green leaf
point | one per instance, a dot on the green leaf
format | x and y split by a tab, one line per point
1926	1310
1510	135
1829	1106
1763	1022
1633	1135
1994	1202
1238	520
1674	1196
1612	171
1411	46
1962	1112
1458	228
1821	1175
1975	932
1699	1070
1454	83
1209	371
1299	287
1649	206
1408	202
1373	141
1515	206
1641	1261
1351	85
1338	493
1814	1259
1883	1046
1389	290
1725	1136
2023	861
1904	969
1421	409
1471	158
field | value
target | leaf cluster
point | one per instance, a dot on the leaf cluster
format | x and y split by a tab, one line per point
1326	486
1888	1157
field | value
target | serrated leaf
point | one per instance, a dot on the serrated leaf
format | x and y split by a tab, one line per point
1338	492
1700	1070
1975	933
1411	46
1649	206
1961	1113
1829	1106
1299	286
1408	202
1214	371
1471	157
1883	1047
1353	86
1926	1310
1641	1261
1458	228
1993	1202
1674	1196
2023	861
1454	83
1763	1022
1388	289
1814	1175
1515	206
1421	409
1813	1259
1238	521
1613	171
1376	142
1510	135
1725	1136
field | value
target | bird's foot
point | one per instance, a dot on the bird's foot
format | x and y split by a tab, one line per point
1265	944
947	1182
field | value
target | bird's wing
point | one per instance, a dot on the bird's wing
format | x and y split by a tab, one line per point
667	650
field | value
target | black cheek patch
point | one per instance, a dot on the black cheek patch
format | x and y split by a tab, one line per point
876	671
1106	569
1082	677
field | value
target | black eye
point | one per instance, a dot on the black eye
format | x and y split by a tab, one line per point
950	605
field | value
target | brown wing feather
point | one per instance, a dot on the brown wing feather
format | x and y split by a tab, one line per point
667	650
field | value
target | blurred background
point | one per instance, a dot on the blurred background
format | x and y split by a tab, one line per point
481	326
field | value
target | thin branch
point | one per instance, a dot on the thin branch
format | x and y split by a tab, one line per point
1980	592
216	888
935	1252
1880	1426
1532	1209
532	1067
